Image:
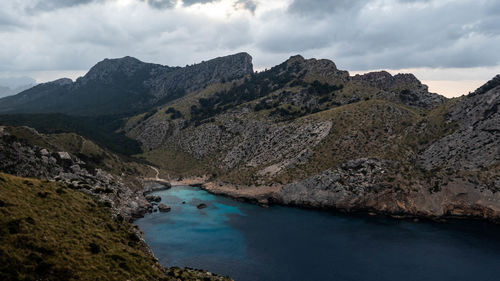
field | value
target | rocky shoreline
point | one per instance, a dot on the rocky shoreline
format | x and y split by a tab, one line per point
266	196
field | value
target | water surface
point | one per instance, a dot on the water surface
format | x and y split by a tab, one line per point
248	242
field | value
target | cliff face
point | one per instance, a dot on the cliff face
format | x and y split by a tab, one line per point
195	77
476	142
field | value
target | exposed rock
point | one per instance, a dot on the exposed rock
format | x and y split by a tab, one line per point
164	208
402	88
153	198
476	142
125	85
322	69
201	206
17	157
197	76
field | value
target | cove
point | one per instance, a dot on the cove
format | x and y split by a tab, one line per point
248	242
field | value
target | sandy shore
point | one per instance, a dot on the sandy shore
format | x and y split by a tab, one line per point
257	194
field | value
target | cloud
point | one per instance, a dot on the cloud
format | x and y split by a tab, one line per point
324	7
48	5
57	35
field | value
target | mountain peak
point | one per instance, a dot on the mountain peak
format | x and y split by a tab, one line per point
126	65
493	83
319	69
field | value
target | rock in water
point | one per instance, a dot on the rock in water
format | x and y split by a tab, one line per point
153	198
201	206
164	208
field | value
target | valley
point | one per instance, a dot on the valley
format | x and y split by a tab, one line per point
301	134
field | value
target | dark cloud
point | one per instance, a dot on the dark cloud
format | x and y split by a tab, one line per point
8	22
324	7
192	2
247	4
47	5
160	4
357	34
399	33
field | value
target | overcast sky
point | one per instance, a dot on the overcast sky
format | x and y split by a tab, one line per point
454	46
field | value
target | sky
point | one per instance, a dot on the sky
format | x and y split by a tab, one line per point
452	46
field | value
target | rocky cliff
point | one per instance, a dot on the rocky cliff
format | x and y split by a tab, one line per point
305	133
124	86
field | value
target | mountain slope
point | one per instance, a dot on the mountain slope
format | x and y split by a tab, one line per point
51	232
305	133
124	85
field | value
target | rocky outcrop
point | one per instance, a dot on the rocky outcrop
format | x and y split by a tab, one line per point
401	88
164	208
21	158
476	142
197	76
322	70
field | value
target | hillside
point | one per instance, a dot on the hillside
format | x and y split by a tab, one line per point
124	85
50	231
78	162
307	133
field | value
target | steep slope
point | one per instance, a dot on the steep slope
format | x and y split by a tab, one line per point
48	231
51	232
78	162
124	85
305	133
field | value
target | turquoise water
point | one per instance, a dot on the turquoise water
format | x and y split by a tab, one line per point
248	242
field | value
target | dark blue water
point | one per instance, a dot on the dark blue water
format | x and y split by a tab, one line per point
248	242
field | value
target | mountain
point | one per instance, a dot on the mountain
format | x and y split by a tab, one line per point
125	85
306	133
65	206
301	133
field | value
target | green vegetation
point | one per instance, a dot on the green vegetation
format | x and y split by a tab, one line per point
92	154
394	135
177	162
51	232
100	129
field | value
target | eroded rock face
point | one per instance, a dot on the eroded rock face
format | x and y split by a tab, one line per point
476	142
346	187
20	158
246	144
322	69
366	185
195	77
402	88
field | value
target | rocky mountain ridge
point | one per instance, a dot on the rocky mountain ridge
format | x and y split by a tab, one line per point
306	133
125	85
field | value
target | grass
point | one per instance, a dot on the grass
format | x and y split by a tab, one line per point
177	162
85	149
51	232
373	128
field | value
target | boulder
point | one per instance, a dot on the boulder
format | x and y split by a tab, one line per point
164	208
153	198
201	206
